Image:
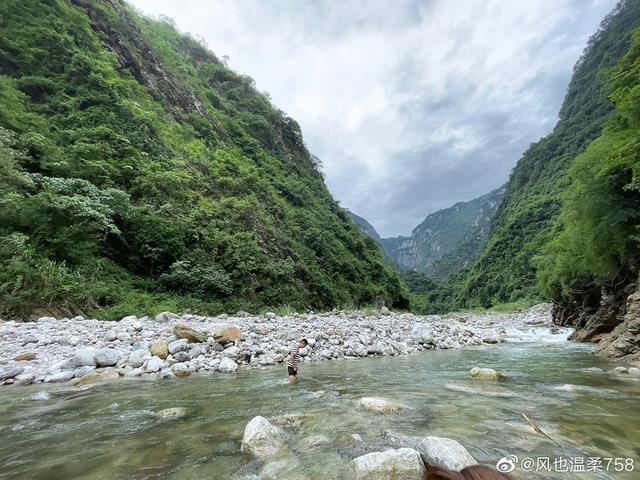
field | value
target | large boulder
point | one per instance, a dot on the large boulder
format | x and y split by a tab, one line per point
180	370
160	349
224	333
25	379
62	376
26	357
261	439
138	357
378	405
154	364
10	372
105	375
444	452
422	333
227	365
181	345
107	357
191	334
82	357
231	352
485	373
400	464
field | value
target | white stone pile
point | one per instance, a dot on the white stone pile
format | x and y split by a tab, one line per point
168	345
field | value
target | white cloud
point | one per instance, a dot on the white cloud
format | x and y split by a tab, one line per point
411	105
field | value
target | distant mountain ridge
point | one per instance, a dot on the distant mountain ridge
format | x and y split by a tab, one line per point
445	241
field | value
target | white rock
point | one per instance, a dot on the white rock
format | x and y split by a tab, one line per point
25	379
261	439
378	405
634	371
138	357
400	464
10	372
62	376
227	365
107	357
485	373
231	352
82	357
181	345
82	371
444	452
154	364
422	333
134	372
180	369
360	350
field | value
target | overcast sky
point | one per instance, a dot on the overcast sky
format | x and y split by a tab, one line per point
411	105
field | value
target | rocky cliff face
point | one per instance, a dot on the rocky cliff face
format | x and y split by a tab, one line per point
446	240
608	315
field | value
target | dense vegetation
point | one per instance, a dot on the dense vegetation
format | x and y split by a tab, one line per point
598	231
138	173
506	269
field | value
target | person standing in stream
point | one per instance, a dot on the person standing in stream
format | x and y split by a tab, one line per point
294	359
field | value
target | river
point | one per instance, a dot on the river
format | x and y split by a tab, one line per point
109	431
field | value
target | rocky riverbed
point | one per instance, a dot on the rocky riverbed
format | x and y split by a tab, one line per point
82	351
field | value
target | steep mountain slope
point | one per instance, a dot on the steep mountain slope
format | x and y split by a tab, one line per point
446	240
591	266
505	270
139	173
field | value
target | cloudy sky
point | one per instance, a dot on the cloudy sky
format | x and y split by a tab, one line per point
411	105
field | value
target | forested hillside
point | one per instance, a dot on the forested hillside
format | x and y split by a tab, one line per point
505	270
138	173
591	266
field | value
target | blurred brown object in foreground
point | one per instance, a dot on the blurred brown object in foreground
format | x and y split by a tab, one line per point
476	472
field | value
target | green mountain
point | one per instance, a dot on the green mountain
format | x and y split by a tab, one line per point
446	240
591	267
505	270
138	173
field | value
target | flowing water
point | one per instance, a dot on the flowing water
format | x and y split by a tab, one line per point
110	432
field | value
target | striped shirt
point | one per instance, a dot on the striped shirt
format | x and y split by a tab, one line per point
294	357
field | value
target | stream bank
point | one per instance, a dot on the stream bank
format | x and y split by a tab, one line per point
82	350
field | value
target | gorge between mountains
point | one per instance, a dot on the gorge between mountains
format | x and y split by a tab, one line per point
167	237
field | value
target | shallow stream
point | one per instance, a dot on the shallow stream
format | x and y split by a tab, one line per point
109	431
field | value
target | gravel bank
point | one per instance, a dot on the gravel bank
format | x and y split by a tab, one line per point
82	350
